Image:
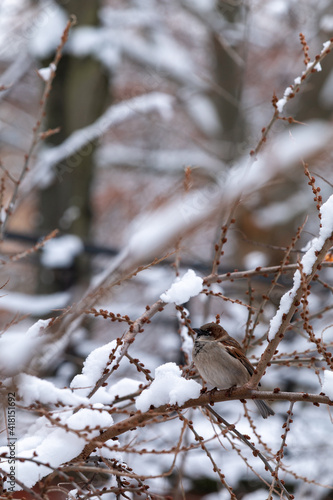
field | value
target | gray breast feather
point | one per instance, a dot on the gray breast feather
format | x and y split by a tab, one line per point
217	367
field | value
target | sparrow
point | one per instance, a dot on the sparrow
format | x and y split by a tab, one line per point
221	361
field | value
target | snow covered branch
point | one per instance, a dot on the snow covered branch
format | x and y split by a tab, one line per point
154	415
114	115
291	300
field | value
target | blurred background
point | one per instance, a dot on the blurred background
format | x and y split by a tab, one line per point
154	99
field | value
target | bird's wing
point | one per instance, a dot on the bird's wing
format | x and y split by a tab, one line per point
235	350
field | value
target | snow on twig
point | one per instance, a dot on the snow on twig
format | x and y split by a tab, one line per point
115	114
291	91
290	301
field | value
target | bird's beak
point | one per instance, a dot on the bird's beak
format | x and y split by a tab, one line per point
198	331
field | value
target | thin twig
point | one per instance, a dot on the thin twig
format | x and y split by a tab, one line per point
36	130
231	428
279	454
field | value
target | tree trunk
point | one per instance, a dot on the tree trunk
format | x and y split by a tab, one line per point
77	99
229	74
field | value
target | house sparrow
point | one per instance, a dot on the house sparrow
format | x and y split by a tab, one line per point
221	361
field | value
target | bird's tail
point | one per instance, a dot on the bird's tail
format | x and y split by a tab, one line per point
264	408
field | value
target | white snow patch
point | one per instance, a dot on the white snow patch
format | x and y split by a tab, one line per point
31	389
45	34
325	232
55	445
326	24
327	44
280	212
124	387
260	494
327	385
115	114
37	305
187	340
153	232
18	349
96	42
255	259
204	114
317	66
183	288
60	252
307	262
45	73
169	387
281	102
93	368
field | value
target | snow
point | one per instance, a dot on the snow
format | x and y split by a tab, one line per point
164	55
124	387
140	16
328	43
183	288
61	252
282	211
281	102
187	340
45	33
38	305
326	24
260	494
310	65
86	40
153	232
12	42
150	235
18	349
45	73
255	259
96	42
307	262
327	386
204	114
168	387
56	445
167	160
93	367
325	232
114	115
317	66
280	155
31	389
